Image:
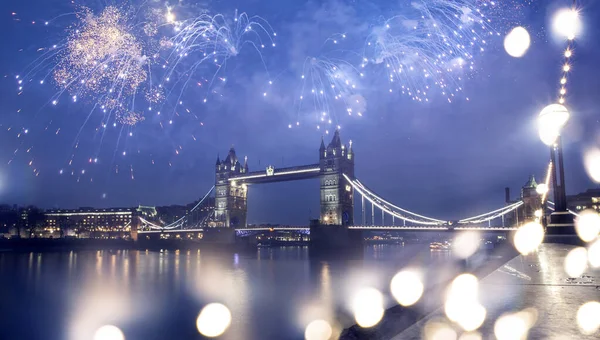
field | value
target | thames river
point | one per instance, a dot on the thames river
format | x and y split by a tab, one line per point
272	293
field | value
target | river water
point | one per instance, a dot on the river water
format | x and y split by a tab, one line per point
272	293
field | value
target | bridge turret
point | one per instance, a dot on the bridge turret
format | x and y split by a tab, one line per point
322	153
230	198
337	200
531	199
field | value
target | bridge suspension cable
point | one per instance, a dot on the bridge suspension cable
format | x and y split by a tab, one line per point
492	214
389	208
178	223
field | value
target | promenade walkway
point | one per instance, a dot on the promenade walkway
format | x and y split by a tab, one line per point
537	281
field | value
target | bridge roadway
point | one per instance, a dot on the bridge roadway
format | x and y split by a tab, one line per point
368	228
382	228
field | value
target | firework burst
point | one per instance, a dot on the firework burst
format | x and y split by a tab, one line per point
104	60
427	50
211	40
327	85
430	46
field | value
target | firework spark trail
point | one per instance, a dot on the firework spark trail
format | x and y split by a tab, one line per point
326	81
213	40
426	49
430	48
105	60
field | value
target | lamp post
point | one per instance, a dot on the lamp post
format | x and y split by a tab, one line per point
550	122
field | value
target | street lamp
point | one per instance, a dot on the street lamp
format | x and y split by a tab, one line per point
551	121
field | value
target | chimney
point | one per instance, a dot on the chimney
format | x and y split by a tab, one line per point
507	194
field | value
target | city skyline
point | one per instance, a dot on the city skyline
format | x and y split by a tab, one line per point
438	158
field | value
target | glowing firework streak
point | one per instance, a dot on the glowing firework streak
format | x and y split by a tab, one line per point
430	48
213	40
329	84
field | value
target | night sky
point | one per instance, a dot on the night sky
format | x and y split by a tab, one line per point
444	160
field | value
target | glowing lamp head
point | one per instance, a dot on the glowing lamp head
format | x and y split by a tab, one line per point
566	23
550	121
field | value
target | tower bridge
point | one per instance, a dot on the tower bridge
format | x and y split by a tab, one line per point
338	187
232	181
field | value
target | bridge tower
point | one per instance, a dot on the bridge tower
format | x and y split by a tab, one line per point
337	196
532	201
230	197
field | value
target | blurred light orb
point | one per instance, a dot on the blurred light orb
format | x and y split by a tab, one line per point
464	286
550	121
588	317
213	320
567	23
471	336
368	307
541	189
318	330
587	225
407	288
517	42
462	304
594	254
576	262
472	317
511	327
466	244
538	213
436	330
109	332
591	160
528	237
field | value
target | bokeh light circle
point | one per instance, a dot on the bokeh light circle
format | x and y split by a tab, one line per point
109	332
528	237
407	288
213	320
588	317
587	225
510	327
576	262
318	330
591	160
368	307
466	244
517	42
594	254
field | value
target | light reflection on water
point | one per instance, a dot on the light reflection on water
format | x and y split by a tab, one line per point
272	293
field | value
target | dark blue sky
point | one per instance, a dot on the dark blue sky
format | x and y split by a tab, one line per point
439	159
